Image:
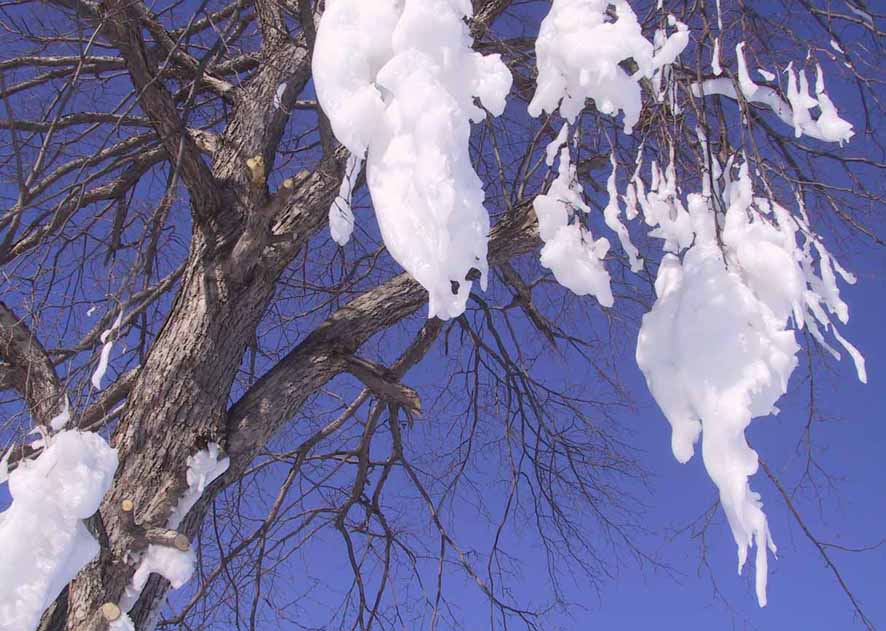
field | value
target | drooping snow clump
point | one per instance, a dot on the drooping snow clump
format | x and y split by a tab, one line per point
398	80
797	111
43	541
570	250
718	347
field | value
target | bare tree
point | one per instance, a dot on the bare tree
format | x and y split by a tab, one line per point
169	165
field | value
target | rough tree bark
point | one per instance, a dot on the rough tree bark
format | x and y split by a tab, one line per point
242	240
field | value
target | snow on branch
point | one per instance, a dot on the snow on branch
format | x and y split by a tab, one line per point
796	112
398	80
718	347
169	552
570	250
51	496
581	49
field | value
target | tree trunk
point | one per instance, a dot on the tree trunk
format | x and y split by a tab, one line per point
176	408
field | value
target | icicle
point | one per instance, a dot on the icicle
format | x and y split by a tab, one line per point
341	216
611	216
748	87
108	342
554	146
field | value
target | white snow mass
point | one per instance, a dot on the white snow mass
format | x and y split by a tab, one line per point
570	251
718	347
398	81
579	49
43	541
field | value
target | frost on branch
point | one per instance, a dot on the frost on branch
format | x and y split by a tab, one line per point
398	81
43	541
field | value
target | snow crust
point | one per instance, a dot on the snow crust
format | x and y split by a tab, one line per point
43	541
398	80
353	43
580	50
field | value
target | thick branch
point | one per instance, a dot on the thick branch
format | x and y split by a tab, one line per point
30	370
123	20
280	393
